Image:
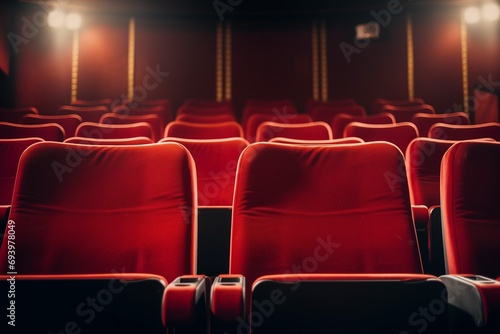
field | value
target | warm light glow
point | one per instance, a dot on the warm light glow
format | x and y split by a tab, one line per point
73	21
56	19
491	12
472	15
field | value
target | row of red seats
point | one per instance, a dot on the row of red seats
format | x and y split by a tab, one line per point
320	240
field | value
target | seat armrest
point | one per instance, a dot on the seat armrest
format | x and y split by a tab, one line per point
185	304
227	302
420	216
4	218
474	303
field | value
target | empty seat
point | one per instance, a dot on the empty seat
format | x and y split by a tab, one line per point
205	110
10	152
105	102
323	209
424	121
48	132
114	131
327	113
88	114
465	132
152	119
304	131
347	102
164	112
406	113
471	230
257	119
216	161
340	121
378	103
118	141
400	134
68	122
15	115
205	119
347	140
276	108
84	209
203	131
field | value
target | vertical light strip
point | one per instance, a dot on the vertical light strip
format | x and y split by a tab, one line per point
131	58
74	66
324	63
218	62
228	59
411	60
315	61
465	69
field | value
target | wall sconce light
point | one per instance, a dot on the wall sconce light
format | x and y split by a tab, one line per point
489	12
58	19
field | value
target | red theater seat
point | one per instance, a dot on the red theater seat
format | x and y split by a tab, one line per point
465	132
68	122
304	131
114	131
278	108
348	140
400	134
424	121
152	119
163	112
378	103
340	121
118	141
406	113
205	119
203	131
471	230
326	209
15	115
216	161
106	102
88	114
327	113
206	111
347	102
84	209
48	132
257	119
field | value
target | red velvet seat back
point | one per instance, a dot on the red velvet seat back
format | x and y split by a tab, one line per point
99	209
347	140
340	121
206	110
10	152
205	119
327	113
465	132
118	141
257	119
88	114
114	131
68	122
423	165
347	102
321	209
164	112
406	113
470	197
425	121
304	131
400	134
378	103
275	108
152	119
216	161
203	131
48	131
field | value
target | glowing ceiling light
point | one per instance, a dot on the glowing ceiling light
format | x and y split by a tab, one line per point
73	21
491	12
56	19
472	15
